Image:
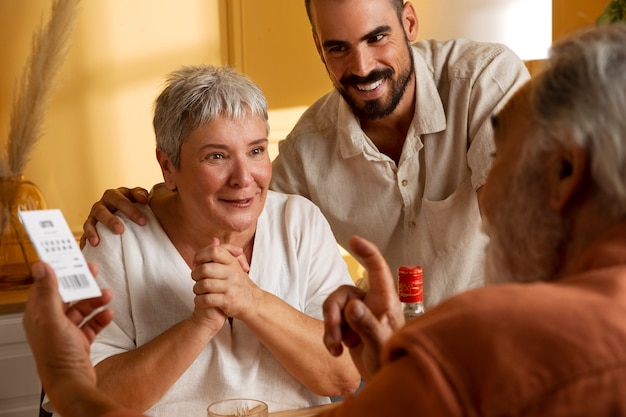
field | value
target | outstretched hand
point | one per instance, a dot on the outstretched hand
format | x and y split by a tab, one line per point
121	199
60	347
363	321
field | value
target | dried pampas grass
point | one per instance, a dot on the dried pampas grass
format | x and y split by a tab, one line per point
50	44
49	49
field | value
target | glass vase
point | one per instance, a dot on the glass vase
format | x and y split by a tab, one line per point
16	250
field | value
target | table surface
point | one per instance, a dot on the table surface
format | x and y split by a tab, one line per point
304	412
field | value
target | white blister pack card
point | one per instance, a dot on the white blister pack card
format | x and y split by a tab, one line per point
55	244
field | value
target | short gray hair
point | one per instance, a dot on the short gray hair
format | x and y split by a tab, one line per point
195	95
581	98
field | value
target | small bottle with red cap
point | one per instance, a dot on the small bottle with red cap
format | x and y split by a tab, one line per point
410	290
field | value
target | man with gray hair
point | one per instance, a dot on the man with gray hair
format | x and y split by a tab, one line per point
549	338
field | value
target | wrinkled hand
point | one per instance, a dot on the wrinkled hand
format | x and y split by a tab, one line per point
222	282
61	349
121	199
363	321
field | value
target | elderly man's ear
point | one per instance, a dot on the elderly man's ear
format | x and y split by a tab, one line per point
567	176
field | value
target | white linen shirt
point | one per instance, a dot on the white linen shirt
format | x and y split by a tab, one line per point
295	257
424	210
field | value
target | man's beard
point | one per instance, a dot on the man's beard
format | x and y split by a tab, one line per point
526	235
376	109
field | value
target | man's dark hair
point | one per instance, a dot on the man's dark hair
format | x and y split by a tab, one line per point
397	4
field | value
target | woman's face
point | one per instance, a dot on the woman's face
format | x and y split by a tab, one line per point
224	173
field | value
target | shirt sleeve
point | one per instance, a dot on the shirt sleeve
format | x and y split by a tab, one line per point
287	171
405	386
119	335
325	268
492	88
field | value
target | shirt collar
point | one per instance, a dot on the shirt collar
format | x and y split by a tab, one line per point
429	115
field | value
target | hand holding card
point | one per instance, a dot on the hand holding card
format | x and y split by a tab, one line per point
56	245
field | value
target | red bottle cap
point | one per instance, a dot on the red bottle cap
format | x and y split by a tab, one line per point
410	285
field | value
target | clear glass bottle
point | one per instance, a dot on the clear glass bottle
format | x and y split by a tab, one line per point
410	290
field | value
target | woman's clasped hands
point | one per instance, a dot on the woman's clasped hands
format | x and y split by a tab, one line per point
223	288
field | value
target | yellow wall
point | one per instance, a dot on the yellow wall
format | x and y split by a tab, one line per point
568	15
98	128
276	50
98	131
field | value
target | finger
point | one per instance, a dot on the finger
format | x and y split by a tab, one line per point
214	279
381	281
44	295
121	199
362	321
332	329
350	337
78	311
212	271
234	250
214	253
139	195
84	308
213	291
83	241
89	232
210	300
44	312
96	323
100	212
237	252
335	330
243	262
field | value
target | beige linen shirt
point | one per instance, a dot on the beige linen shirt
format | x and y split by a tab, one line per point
423	210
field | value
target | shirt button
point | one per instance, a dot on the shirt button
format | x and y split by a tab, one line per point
404	183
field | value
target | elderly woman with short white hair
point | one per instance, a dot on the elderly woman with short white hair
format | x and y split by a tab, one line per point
220	294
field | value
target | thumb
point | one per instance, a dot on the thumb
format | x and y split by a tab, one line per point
44	305
372	336
381	281
44	277
364	322
45	289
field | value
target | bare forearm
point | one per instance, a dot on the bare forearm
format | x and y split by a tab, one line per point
140	377
74	399
296	340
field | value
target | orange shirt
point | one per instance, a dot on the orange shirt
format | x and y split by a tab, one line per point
544	349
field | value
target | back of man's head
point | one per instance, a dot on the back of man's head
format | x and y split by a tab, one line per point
581	97
558	181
